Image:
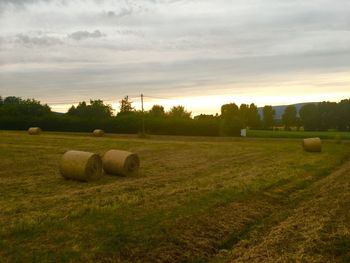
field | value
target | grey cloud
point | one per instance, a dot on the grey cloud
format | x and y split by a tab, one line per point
121	13
186	40
82	35
188	76
41	41
19	3
22	1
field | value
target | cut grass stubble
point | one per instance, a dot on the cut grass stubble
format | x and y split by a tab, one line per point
190	200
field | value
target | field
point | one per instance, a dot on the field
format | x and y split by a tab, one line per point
194	200
330	135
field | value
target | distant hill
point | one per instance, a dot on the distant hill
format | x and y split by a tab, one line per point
280	109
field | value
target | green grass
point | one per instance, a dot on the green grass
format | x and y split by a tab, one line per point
329	135
192	197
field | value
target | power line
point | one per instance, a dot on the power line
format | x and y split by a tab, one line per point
108	100
156	97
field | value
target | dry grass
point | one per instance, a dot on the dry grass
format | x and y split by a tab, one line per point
318	230
193	200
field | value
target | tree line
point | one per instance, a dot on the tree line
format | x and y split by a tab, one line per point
18	114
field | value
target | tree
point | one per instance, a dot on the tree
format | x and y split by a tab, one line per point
253	116
289	116
33	107
244	113
231	123
206	117
126	105
298	123
79	111
268	116
327	112
12	100
95	110
100	110
343	115
309	116
157	111
179	112
229	111
15	106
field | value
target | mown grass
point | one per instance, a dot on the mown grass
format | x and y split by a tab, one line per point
313	229
192	198
330	135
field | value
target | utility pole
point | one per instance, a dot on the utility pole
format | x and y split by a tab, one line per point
143	116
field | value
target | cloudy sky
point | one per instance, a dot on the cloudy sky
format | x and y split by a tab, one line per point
198	53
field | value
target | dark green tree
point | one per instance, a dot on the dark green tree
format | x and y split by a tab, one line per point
15	106
343	115
327	112
229	111
95	110
268	117
309	117
100	110
157	111
298	123
179	112
13	100
126	105
289	117
231	123
244	113
253	116
206	117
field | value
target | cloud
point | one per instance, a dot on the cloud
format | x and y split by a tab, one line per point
37	41
19	2
161	45
121	13
82	35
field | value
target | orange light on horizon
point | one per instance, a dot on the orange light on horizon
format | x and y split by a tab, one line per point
277	90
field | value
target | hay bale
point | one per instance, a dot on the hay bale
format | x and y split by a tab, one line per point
120	162
34	131
98	133
81	166
312	145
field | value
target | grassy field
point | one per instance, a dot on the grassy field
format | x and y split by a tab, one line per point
330	135
194	200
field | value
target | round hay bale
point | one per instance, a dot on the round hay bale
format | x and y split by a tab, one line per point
98	133
34	131
81	166
312	145
120	162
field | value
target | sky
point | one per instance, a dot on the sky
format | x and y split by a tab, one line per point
197	53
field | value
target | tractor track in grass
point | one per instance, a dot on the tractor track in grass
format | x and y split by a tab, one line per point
314	227
213	233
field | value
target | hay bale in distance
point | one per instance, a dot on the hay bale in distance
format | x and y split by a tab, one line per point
81	166
34	131
98	133
118	162
312	145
